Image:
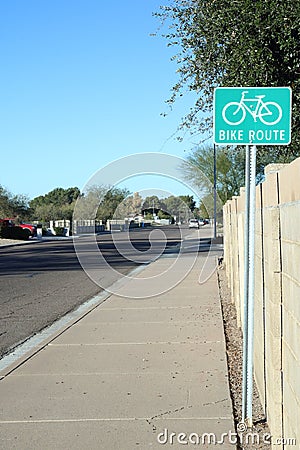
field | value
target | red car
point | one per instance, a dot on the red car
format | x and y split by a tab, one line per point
26	226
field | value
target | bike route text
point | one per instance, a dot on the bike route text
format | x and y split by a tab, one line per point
255	136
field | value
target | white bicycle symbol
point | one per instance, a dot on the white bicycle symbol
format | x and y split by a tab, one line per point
268	113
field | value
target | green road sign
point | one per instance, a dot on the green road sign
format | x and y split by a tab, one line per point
252	115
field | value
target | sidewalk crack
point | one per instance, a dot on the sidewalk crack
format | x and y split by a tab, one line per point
157	416
214	403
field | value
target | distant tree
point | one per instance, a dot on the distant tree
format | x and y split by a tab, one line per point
174	205
57	204
5	205
164	215
60	196
110	202
199	169
87	204
99	202
13	205
179	207
152	204
46	212
189	201
57	196
152	201
137	201
131	206
206	208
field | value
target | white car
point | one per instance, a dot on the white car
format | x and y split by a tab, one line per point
193	223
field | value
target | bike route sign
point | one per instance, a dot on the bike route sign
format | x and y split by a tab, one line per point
252	115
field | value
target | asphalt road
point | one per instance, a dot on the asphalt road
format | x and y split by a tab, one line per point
42	281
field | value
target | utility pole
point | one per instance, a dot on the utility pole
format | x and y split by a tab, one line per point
215	192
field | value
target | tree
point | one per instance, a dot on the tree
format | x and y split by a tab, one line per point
13	205
108	207
57	196
57	204
152	204
234	43
46	212
199	169
88	203
189	201
131	206
206	209
99	202
179	207
173	205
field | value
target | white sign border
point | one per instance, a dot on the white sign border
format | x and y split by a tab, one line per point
251	143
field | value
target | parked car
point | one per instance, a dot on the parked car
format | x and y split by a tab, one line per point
31	229
6	223
193	223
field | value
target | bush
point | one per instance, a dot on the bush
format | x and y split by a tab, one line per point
59	231
45	231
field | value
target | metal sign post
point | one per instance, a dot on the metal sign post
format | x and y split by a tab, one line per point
246	279
251	116
215	192
249	277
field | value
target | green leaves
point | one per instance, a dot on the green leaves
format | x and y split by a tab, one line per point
57	204
12	205
230	164
234	43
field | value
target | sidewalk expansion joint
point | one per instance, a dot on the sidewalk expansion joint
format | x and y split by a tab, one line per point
53	344
111	419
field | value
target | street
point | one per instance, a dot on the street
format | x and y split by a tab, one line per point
42	281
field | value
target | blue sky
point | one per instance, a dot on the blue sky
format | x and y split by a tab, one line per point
82	83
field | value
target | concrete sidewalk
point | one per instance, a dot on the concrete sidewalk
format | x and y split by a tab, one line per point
127	375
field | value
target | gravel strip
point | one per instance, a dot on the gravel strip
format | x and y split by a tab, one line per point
234	349
4	242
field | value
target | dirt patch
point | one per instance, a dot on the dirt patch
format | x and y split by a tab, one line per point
4	242
234	350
